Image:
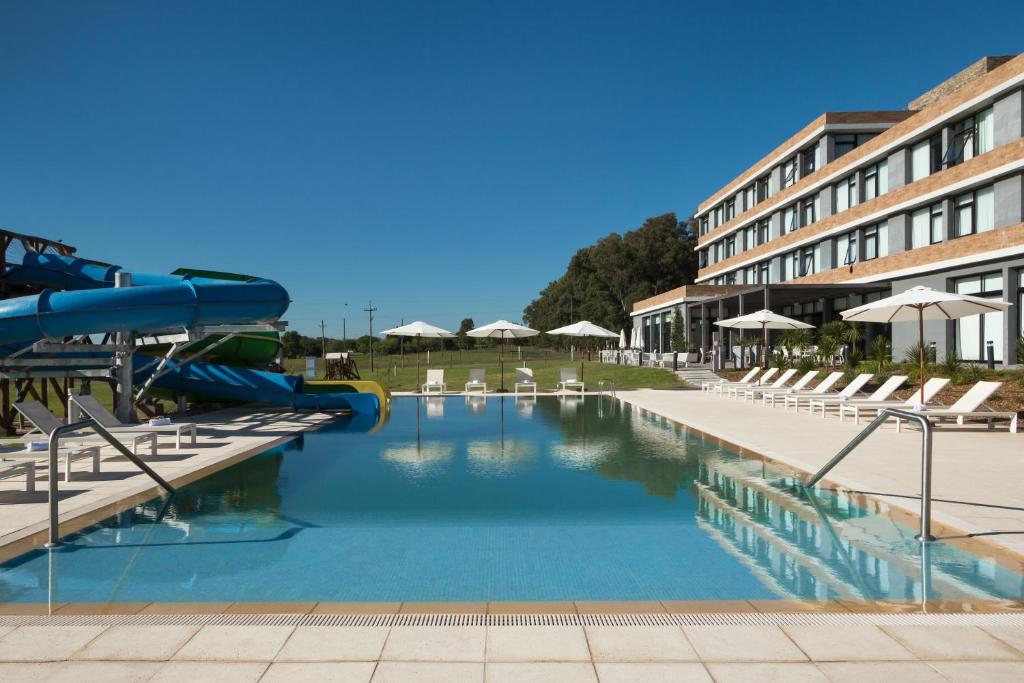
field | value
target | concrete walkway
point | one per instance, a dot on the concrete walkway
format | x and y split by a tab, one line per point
976	472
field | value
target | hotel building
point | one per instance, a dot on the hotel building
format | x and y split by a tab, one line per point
858	205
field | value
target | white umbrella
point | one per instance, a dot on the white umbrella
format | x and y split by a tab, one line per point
920	304
502	329
418	329
622	339
583	328
763	320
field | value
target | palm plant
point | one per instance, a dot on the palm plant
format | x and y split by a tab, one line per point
880	353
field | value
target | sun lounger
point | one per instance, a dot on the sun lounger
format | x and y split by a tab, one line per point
46	422
882	393
722	387
849	391
10	469
524	381
567	380
753	392
435	380
477	381
769	395
856	407
969	405
736	389
749	377
94	409
68	453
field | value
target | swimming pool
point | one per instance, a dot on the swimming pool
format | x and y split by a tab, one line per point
472	499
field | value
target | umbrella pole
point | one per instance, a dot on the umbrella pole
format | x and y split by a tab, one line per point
581	364
920	329
501	360
764	345
419	387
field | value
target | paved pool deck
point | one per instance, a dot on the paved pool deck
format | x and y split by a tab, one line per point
976	472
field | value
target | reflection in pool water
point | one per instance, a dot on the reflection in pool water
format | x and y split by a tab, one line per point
502	498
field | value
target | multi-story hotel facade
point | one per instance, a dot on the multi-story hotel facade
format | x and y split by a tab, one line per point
858	205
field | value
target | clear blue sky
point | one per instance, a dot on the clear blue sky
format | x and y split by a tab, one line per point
443	159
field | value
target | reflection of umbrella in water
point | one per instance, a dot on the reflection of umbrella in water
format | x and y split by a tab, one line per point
580	453
525	405
435	406
420	455
476	404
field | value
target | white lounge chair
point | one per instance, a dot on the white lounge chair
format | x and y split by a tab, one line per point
736	390
749	377
882	393
10	469
524	381
722	387
753	392
68	453
855	408
969	406
94	409
435	380
477	380
567	379
46	422
849	391
769	395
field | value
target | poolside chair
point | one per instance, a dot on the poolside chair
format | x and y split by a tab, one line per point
524	381
94	409
706	386
969	406
477	380
567	379
931	388
753	392
721	387
849	391
68	453
769	396
10	469
736	390
435	380
882	393
45	421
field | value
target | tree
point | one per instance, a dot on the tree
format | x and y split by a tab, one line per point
464	340
291	344
678	338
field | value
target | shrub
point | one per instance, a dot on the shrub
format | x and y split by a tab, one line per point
779	360
806	364
880	353
912	354
853	358
969	374
951	364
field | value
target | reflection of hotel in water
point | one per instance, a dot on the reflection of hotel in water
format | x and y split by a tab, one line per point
858	554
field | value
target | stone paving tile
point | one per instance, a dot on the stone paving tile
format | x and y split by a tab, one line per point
435	644
859	672
537	672
639	644
139	643
330	643
221	672
951	642
444	608
427	672
108	672
357	608
743	644
1012	635
537	644
45	643
186	608
846	643
766	673
238	643
318	672
660	672
539	607
27	672
972	672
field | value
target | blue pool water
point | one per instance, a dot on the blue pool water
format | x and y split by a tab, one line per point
500	499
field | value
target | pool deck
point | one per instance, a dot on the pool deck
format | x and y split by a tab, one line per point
225	437
976	472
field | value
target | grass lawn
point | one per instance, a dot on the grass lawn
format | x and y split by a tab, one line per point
545	363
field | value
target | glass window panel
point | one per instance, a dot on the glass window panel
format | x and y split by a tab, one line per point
992	328
883	239
920	161
992	282
938	225
842	196
985	131
920	228
986	209
968	337
883	177
968	285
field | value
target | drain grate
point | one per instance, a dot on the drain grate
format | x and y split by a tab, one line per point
441	620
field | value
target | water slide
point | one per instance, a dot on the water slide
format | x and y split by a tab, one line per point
91	305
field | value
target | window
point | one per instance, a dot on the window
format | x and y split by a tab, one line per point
810	209
750	275
749	196
718	215
788	173
876	241
702	256
730	278
704	225
764	230
730	246
765	273
717	246
790	265
919	163
926	226
764	188
807	261
809	160
846	248
846	193
730	209
789	223
750	237
974	331
974	212
846	142
935	153
876	180
971	136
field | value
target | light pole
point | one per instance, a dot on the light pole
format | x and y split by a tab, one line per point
370	309
344	329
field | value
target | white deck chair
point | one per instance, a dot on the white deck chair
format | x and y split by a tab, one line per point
969	406
45	421
753	392
722	387
769	395
10	469
567	379
94	409
477	380
931	388
749	377
68	453
736	390
435	380
849	391
524	381
882	393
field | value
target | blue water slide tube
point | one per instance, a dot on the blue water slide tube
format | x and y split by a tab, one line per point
159	302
